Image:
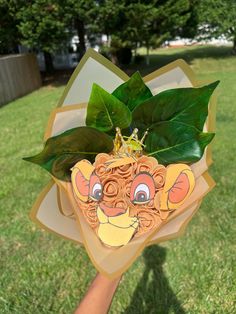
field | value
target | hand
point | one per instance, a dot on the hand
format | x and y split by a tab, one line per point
99	296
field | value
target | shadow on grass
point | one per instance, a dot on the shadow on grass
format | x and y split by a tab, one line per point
153	293
57	78
164	56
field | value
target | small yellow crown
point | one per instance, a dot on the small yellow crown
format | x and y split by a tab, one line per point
129	145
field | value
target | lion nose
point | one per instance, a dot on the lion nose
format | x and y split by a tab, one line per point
120	203
112	211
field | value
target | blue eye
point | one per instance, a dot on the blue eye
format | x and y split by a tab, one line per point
141	194
96	192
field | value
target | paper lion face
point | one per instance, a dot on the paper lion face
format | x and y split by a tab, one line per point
123	200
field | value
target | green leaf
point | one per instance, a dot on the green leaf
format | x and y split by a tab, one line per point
187	105
176	142
133	92
61	152
105	112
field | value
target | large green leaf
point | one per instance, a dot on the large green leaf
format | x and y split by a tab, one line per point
105	112
175	142
61	152
133	92
187	105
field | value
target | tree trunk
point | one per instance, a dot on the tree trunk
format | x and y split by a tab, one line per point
108	40
147	55
48	62
114	58
16	48
81	34
234	46
135	50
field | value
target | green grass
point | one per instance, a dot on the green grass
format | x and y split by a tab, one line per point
41	273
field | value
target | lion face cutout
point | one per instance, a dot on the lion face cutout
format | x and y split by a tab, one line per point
125	197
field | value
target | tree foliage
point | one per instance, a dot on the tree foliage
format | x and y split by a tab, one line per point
43	27
190	28
78	16
46	25
9	34
152	22
42	24
219	18
142	23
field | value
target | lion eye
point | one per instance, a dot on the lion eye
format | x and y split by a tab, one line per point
95	191
142	189
141	194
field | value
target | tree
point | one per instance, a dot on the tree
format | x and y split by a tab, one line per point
131	23
9	35
218	17
43	27
150	23
78	16
108	19
190	28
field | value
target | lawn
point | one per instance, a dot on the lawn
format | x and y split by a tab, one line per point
41	273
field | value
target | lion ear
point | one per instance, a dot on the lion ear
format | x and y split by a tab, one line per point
178	186
81	173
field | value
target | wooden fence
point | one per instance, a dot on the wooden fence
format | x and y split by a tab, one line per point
19	75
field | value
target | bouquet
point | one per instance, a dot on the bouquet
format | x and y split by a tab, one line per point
128	158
